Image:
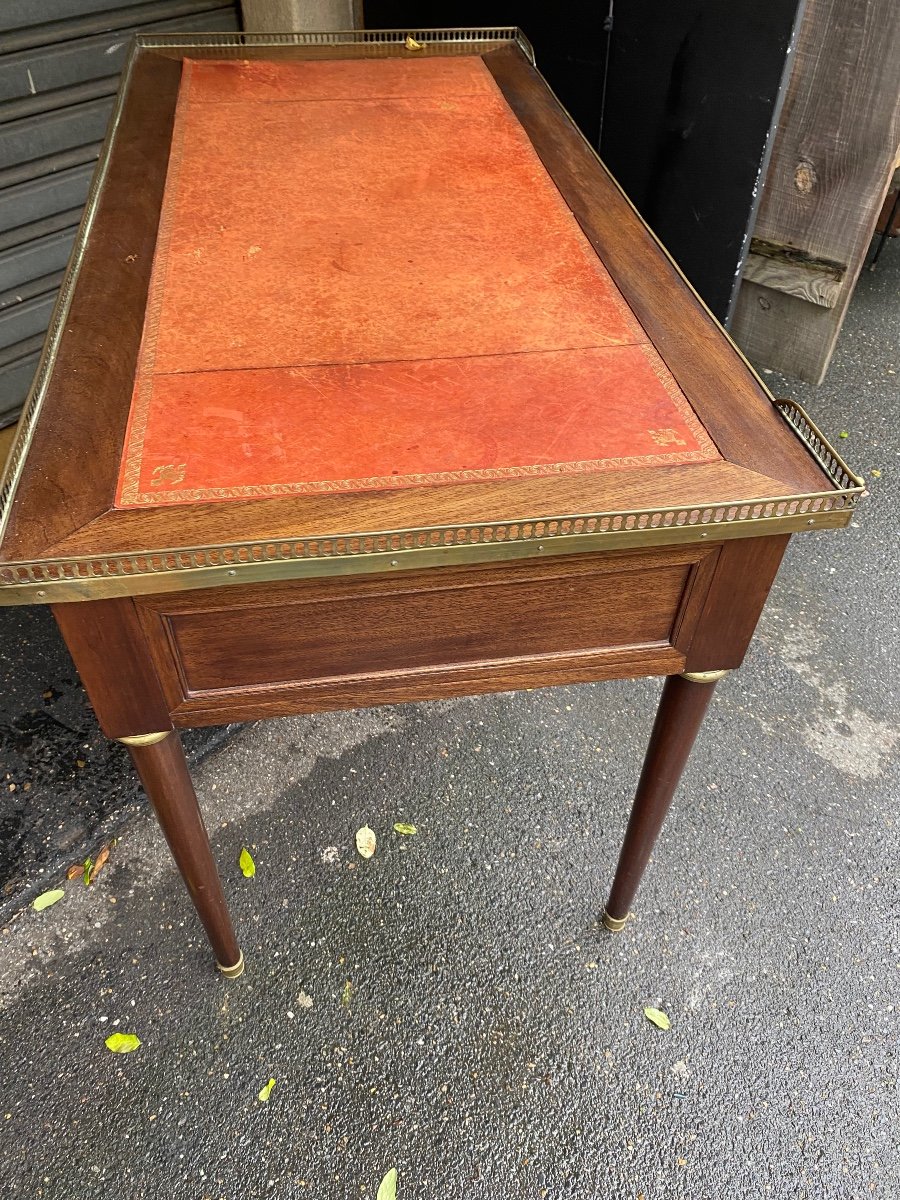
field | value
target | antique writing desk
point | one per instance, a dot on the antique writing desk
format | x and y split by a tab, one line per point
367	384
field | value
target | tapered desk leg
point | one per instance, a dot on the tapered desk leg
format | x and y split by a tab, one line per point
681	709
161	764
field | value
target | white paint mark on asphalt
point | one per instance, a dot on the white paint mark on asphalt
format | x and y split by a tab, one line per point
837	730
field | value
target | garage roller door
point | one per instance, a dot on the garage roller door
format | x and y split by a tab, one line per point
59	69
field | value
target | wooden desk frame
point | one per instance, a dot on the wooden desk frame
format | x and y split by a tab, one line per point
172	661
202	614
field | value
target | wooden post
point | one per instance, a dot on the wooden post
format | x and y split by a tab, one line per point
287	16
829	172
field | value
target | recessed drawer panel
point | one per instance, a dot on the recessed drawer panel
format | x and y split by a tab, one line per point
307	633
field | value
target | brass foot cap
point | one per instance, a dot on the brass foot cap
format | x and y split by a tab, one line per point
614	924
233	972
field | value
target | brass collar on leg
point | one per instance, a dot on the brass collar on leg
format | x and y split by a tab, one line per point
704	676
144	739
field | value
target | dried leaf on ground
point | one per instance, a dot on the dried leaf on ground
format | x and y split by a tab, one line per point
99	863
75	870
47	898
122	1043
267	1091
366	841
402	827
248	866
387	1189
658	1017
305	1000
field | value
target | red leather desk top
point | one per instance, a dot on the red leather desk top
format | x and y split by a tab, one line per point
364	278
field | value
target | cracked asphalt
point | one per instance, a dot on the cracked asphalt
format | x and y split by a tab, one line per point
451	1007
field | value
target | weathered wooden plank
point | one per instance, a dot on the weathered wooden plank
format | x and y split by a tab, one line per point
830	168
796	279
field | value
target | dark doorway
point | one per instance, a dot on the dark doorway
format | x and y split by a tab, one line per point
680	98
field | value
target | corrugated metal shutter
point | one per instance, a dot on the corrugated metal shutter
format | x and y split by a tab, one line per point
59	69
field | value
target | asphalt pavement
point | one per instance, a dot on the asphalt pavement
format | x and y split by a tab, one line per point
451	1006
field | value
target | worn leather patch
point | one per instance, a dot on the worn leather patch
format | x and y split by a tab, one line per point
365	278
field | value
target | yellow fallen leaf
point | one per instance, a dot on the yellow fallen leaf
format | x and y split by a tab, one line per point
248	866
658	1017
122	1043
402	827
47	898
387	1189
366	841
99	863
411	43
267	1091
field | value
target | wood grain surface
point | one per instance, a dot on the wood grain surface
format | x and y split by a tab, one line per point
678	720
732	404
831	163
308	645
167	782
65	499
74	455
111	654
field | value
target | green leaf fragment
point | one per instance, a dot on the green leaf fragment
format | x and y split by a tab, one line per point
658	1017
387	1189
266	1091
402	827
248	866
843	433
86	874
347	993
122	1043
47	898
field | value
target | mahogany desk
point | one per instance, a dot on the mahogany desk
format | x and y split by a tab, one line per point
367	384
